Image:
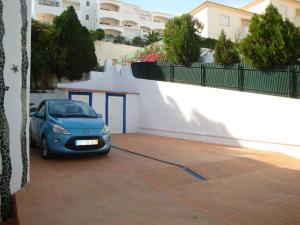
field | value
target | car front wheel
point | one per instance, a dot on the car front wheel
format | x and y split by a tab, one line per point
104	152
45	149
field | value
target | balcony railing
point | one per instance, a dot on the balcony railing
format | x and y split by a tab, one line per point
49	3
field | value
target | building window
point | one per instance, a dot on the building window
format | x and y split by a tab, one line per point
224	20
282	10
87	17
87	3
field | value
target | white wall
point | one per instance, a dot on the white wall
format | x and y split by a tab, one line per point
12	48
220	116
13	100
37	98
207	114
132	113
259	8
202	16
233	31
115	79
99	103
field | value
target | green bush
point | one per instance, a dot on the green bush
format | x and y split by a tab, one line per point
97	35
152	37
74	50
137	41
208	43
182	39
119	40
271	41
225	51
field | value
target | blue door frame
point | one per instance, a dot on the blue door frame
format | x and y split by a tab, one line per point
124	108
83	93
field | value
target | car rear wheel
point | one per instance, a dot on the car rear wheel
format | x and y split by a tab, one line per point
45	149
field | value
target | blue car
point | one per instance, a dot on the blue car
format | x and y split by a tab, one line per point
68	127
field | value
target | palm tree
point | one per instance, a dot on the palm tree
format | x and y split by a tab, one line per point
152	37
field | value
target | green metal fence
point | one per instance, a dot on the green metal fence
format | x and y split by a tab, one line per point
280	81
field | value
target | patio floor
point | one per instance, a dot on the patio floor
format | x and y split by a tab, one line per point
243	186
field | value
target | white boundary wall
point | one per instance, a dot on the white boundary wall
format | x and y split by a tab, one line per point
208	114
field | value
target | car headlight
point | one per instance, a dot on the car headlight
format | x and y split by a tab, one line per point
104	129
59	129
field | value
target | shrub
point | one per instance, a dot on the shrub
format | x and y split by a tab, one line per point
208	43
119	40
182	39
74	50
225	51
152	37
137	41
97	35
271	41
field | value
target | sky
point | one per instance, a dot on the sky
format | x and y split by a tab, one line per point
177	7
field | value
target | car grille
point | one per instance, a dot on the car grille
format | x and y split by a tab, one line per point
71	143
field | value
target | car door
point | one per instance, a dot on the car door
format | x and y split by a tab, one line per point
38	122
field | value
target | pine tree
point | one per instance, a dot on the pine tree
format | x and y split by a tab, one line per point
74	48
271	41
225	51
182	39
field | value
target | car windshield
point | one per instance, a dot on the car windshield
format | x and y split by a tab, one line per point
71	109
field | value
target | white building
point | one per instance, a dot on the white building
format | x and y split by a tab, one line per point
113	16
234	21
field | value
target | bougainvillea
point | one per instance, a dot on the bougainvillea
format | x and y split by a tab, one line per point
151	54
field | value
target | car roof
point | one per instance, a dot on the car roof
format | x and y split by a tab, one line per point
60	100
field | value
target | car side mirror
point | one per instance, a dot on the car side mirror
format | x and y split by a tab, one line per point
38	115
99	115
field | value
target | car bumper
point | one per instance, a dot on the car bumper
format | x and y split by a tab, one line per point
57	145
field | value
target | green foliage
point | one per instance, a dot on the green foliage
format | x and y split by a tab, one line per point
152	37
119	40
271	41
97	35
137	41
41	74
75	51
225	51
292	42
182	39
208	43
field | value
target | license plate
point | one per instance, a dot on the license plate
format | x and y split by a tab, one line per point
86	142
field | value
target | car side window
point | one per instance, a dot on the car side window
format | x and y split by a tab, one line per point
42	109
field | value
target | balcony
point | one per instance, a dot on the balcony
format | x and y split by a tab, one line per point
129	23
160	18
49	3
111	31
109	14
158	25
109	22
145	30
109	7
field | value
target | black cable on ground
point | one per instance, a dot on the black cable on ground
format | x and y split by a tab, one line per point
184	168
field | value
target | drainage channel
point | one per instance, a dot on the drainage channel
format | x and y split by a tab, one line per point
184	168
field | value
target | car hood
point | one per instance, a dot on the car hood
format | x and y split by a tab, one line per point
80	123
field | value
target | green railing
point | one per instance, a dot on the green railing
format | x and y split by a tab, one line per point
280	81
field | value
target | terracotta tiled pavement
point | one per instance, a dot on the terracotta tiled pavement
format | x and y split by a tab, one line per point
242	187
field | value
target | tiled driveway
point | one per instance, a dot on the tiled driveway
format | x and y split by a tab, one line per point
242	187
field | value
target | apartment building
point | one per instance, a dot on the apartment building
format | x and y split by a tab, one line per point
235	21
113	16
